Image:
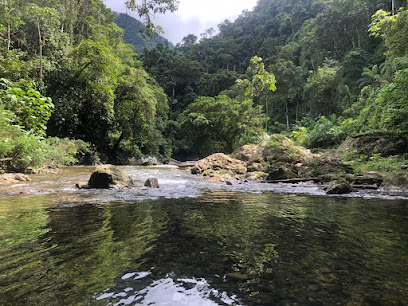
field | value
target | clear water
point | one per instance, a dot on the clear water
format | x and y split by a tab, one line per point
192	242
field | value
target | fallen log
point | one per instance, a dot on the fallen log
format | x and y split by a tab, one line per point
296	180
6	159
369	187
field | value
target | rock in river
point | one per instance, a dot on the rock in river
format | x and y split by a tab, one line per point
339	187
152	182
108	176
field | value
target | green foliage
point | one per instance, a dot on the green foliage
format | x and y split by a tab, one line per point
321	91
219	124
321	133
392	29
21	149
31	108
64	151
148	7
258	79
387	165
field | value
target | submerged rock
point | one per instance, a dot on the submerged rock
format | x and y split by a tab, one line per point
109	176
152	182
339	187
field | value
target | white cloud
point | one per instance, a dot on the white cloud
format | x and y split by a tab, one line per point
193	16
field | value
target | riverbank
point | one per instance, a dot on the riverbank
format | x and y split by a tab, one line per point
280	160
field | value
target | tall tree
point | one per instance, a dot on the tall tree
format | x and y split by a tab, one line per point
259	80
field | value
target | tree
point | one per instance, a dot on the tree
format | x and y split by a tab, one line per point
289	82
31	109
146	7
219	124
258	80
40	16
370	77
392	29
321	91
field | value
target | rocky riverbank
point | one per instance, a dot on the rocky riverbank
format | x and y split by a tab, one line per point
279	160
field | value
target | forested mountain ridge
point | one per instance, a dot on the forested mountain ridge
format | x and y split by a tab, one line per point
135	33
329	58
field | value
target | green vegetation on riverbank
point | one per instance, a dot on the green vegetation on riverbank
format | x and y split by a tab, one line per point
65	73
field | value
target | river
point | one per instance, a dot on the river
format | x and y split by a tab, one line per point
192	242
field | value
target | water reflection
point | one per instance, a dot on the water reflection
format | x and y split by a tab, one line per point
223	247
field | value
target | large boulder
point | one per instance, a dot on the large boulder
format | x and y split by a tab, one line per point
220	163
378	142
281	171
109	176
327	165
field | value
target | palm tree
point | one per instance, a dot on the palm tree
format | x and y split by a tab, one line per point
370	77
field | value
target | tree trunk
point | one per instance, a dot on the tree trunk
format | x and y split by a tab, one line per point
393	7
297	110
41	47
8	37
117	144
267	114
287	114
358	39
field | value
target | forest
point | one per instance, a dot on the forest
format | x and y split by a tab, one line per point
318	71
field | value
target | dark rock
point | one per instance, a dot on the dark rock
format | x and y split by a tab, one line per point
339	187
368	178
281	171
108	176
152	182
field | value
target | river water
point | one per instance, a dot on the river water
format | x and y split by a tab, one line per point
192	242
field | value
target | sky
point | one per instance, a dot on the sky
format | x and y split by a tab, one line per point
193	16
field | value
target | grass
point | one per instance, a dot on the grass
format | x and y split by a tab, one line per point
385	165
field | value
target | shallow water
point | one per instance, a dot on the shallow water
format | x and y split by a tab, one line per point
192	242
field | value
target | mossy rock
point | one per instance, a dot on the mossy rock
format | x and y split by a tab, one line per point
339	187
219	163
325	164
377	142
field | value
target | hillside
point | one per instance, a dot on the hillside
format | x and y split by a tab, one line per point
133	33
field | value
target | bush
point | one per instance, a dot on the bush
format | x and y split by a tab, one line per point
21	149
64	151
322	133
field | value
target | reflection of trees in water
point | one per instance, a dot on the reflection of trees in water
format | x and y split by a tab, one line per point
83	249
273	248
